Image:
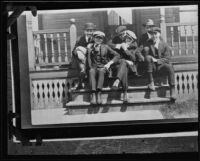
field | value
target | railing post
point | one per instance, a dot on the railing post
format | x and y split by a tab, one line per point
186	41
179	40
172	39
163	24
72	34
31	25
193	41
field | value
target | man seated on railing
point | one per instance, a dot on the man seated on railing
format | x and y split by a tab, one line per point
129	54
100	58
79	52
157	58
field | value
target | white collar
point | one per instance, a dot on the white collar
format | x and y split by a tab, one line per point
157	43
149	35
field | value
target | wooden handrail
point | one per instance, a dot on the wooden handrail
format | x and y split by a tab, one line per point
50	31
182	24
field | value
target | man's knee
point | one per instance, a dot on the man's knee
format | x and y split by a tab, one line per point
145	51
92	71
102	71
148	58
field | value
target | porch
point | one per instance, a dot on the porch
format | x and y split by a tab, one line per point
52	81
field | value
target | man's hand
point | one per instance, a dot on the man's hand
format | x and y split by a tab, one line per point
154	59
129	62
107	66
124	46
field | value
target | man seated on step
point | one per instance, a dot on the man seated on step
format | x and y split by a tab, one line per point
100	58
129	55
157	59
116	42
79	53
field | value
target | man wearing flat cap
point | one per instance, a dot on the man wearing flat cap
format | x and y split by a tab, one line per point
100	58
80	50
127	62
158	60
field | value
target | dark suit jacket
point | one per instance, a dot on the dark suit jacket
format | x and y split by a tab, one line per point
81	41
106	54
164	52
144	41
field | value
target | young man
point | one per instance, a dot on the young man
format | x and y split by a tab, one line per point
115	42
100	58
80	50
157	58
129	54
146	38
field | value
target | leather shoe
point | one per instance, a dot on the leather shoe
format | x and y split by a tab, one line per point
93	98
99	100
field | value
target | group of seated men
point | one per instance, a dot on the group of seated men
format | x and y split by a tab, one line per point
93	55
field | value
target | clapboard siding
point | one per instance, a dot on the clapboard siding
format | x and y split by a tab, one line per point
62	20
140	16
172	15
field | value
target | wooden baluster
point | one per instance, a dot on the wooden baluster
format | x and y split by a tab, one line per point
179	40
59	51
36	49
193	46
186	43
35	99
46	52
50	93
52	48
46	94
39	49
172	39
65	42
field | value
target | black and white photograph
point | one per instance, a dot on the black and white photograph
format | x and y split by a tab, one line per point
107	66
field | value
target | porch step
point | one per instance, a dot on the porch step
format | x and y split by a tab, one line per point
134	93
82	107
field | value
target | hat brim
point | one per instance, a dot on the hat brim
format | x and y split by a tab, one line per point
101	37
148	25
90	28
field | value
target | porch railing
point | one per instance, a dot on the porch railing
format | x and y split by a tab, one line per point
183	38
53	47
52	90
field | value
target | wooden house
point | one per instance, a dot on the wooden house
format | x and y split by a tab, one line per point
46	80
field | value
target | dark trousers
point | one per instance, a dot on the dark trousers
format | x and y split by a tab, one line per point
122	73
97	78
161	69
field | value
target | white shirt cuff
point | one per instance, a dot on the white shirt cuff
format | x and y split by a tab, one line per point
118	46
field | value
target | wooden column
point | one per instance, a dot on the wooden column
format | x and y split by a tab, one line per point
72	34
163	24
31	25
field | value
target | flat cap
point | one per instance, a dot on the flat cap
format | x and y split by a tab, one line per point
120	29
130	34
98	34
156	29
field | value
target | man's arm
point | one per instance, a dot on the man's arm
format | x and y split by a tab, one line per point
114	43
165	56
